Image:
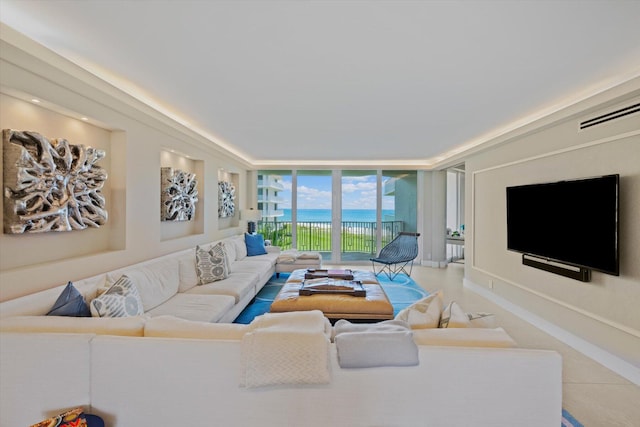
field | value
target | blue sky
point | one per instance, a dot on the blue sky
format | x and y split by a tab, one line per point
314	192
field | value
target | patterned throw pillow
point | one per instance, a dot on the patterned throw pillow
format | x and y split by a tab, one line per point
70	303
211	265
120	300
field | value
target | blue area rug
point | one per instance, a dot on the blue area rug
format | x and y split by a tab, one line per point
568	420
402	292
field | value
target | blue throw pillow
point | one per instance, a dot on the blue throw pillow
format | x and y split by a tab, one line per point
255	244
70	303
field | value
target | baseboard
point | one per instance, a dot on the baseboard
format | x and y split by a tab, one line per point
434	264
611	361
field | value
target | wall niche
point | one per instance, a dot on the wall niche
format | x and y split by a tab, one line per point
45	118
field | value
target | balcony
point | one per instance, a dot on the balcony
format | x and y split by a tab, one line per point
271	184
357	239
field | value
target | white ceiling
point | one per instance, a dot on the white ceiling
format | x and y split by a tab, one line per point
354	82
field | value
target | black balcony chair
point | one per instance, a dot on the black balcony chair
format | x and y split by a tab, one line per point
397	254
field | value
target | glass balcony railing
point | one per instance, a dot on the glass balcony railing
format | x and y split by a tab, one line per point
355	237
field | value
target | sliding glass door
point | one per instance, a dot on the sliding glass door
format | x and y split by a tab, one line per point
358	215
314	212
346	215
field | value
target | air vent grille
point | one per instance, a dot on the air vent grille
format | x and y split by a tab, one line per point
610	116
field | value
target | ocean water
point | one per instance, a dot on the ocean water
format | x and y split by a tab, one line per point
356	215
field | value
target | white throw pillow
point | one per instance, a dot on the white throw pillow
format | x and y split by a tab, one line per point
482	320
120	300
240	246
424	313
453	316
211	265
230	250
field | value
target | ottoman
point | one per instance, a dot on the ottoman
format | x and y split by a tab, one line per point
291	260
375	306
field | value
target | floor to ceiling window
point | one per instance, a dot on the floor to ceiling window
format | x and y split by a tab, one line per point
314	212
347	215
358	215
274	202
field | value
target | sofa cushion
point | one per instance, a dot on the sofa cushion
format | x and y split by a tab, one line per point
204	308
255	244
453	316
211	264
120	300
230	250
156	282
70	303
240	247
174	327
464	337
188	273
40	303
238	285
125	326
424	313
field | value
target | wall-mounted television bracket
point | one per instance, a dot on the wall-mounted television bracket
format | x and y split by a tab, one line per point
578	273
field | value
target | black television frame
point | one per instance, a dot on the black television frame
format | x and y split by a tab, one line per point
568	268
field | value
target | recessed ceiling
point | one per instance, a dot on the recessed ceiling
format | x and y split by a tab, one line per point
349	82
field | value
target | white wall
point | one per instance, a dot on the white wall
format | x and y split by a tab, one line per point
605	312
136	140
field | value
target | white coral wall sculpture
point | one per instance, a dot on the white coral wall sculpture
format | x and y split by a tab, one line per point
50	185
226	199
179	195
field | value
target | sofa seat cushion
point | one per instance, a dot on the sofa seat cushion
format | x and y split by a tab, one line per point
238	285
125	326
174	327
269	257
156	282
204	308
464	337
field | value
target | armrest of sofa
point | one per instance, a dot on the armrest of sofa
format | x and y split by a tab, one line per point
464	337
273	249
124	326
43	375
173	327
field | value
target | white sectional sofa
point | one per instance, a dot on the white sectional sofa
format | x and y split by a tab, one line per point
181	363
167	286
153	381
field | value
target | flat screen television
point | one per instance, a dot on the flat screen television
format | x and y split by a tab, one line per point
572	222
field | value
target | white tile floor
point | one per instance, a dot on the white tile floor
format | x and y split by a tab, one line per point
594	395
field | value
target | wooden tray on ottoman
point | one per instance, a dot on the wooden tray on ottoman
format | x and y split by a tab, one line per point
314	273
332	286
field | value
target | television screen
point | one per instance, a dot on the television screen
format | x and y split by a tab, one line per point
573	222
